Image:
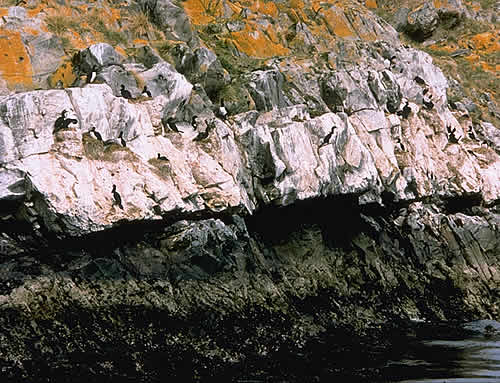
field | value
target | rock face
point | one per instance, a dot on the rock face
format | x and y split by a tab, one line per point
347	191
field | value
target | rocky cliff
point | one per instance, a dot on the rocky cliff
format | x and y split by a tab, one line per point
352	182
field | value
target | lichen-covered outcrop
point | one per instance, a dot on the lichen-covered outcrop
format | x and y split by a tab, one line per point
352	182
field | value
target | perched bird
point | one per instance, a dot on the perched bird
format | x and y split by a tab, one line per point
125	93
194	123
117	198
60	120
391	108
428	104
172	126
146	92
452	138
162	158
425	92
470	133
419	80
96	133
222	111
203	135
69	121
326	139
122	140
405	112
400	144
92	74
63	123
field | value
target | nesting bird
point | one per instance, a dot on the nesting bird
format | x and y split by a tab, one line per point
125	93
162	158
428	104
194	123
452	138
419	80
62	122
405	112
92	74
326	139
117	198
222	111
96	133
202	135
171	124
122	140
146	92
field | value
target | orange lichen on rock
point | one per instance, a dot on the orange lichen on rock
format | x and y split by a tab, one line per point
254	42
15	64
202	12
121	51
487	42
440	3
265	8
64	74
4	12
337	23
371	3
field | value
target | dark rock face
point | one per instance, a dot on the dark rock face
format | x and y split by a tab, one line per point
422	21
271	282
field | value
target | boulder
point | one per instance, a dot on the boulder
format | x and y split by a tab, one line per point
266	89
172	20
422	22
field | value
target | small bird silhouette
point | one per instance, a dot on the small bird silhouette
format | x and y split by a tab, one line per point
419	80
405	112
326	139
125	93
222	111
117	198
96	133
146	92
162	158
122	140
60	120
92	74
194	123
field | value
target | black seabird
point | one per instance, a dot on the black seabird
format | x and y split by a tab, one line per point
405	112
203	135
194	123
470	133
125	93
428	104
122	140
222	111
146	92
92	74
96	133
451	135
116	196
419	80
400	144
60	120
172	126
326	140
162	158
390	107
